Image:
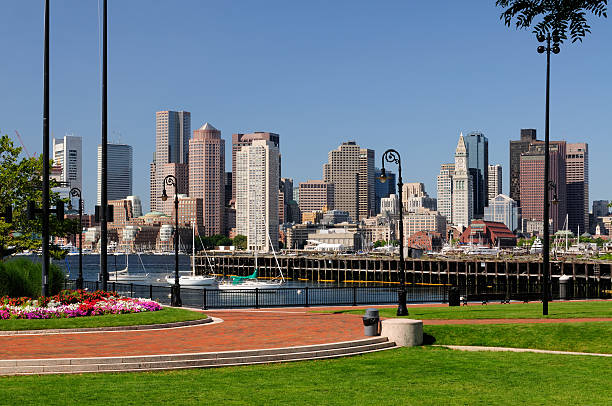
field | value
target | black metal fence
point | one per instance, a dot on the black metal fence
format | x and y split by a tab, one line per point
212	298
570	289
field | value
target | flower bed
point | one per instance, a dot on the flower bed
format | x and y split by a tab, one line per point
73	303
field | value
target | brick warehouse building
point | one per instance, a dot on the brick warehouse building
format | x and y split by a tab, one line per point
490	233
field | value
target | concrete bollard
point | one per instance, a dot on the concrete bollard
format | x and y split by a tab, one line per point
404	332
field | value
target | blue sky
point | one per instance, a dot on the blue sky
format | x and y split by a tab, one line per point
401	74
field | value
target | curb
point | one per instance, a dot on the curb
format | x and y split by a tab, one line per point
509	349
107	329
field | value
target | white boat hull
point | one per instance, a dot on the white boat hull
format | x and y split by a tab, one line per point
193	280
250	285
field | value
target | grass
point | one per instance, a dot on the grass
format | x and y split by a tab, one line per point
167	315
578	337
556	310
415	376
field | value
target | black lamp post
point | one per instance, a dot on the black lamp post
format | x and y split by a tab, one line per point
175	291
76	192
392	155
546	243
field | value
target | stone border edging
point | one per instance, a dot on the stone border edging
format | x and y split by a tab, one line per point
108	328
510	349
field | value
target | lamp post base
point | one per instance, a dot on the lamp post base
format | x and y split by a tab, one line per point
402	310
175	296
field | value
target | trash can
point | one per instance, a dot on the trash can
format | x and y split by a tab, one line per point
564	281
371	323
453	296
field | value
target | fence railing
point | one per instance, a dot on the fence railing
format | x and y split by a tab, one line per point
212	298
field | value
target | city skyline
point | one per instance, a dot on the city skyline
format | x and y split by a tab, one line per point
445	83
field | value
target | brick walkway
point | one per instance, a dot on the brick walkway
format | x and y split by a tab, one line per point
240	330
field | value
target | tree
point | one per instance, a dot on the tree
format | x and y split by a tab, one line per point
565	17
20	182
240	242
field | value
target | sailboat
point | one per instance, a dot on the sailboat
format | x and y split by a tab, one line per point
193	279
251	282
124	275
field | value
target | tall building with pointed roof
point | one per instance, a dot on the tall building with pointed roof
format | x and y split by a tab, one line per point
463	197
207	176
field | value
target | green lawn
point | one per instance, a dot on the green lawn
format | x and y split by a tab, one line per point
579	337
556	310
415	376
166	315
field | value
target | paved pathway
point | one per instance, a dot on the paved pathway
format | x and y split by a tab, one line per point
240	330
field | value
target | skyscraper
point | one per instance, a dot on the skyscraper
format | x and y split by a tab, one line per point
206	176
532	183
257	194
241	140
119	171
463	197
351	170
495	181
316	195
477	146
503	209
528	135
445	191
577	173
68	154
172	133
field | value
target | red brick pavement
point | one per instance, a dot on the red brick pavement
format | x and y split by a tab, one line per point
240	330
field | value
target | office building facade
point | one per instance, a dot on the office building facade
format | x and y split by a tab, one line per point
477	146
241	140
118	171
577	174
518	147
495	181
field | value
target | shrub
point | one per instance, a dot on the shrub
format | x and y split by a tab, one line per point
22	277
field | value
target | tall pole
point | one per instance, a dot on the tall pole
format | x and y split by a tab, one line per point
80	279
392	155
177	287
103	186
546	245
402	310
45	162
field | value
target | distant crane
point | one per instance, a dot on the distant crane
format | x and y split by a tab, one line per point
23	145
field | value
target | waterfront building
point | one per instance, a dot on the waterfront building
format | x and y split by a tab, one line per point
518	147
297	235
118	171
351	170
136	205
312	217
383	189
477	146
191	213
463	191
241	140
445	190
316	195
337	239
495	181
489	233
577	174
425	240
424	220
257	188
503	209
172	133
207	176
532	184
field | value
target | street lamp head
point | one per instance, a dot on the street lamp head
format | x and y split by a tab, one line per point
383	175
541	37
541	49
556	49
164	195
